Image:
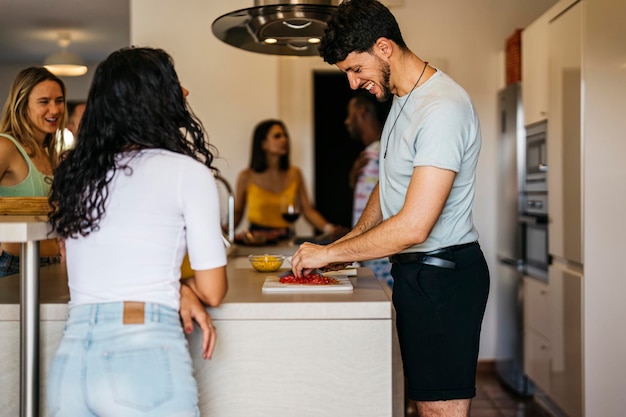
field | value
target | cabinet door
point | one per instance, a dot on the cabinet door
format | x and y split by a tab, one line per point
563	141
537	332
566	338
537	359
536	307
535	71
535	52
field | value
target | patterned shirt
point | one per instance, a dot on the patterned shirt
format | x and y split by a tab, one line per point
368	178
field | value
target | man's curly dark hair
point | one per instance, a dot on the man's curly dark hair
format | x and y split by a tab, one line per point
355	26
135	102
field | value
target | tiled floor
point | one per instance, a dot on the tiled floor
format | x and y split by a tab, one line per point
494	400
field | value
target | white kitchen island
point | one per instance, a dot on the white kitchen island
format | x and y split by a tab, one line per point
288	354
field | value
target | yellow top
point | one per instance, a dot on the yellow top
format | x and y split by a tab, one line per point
264	207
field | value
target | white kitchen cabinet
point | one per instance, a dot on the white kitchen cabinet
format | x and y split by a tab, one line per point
566	360
553	337
535	71
553	348
537	359
596	284
535	56
536	307
564	133
537	329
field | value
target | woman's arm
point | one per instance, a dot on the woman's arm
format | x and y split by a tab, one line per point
309	211
191	309
209	285
205	248
7	153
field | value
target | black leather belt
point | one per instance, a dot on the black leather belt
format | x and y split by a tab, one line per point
432	258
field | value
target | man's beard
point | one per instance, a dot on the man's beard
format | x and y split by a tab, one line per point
385	73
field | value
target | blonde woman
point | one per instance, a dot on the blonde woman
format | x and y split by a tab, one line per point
32	120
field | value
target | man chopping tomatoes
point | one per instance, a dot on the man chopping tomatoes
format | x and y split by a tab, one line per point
420	213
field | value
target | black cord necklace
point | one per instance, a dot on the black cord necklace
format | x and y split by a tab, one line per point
402	108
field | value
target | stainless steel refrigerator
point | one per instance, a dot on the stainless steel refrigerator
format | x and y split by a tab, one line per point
507	283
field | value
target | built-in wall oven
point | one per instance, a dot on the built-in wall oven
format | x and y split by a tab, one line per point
535	236
534	218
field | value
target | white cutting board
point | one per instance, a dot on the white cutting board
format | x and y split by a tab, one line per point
273	284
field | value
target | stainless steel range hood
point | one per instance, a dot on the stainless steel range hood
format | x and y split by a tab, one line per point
278	27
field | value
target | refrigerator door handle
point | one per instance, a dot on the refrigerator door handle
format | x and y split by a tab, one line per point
539	219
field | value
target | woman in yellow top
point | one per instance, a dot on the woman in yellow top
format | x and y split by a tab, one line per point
270	182
32	120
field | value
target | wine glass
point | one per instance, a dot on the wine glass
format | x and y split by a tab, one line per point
290	211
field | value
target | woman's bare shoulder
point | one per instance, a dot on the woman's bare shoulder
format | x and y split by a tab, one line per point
245	176
245	173
7	147
295	172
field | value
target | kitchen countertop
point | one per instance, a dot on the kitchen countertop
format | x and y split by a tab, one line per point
22	228
244	299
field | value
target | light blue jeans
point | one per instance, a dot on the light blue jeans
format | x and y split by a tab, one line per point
103	367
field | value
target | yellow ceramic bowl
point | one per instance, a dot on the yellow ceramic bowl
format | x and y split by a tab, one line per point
266	263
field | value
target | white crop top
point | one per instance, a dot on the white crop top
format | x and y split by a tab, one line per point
165	205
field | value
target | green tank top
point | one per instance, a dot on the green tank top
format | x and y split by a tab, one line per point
35	184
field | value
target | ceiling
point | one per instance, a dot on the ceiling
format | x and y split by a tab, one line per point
29	28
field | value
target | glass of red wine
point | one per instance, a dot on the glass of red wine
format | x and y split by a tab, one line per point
290	211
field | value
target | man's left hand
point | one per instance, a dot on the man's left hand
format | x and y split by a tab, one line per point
308	257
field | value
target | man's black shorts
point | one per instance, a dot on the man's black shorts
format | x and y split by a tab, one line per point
439	314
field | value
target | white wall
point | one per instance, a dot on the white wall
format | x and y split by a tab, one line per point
231	89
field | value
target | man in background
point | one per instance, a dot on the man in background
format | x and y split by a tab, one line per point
75	110
363	124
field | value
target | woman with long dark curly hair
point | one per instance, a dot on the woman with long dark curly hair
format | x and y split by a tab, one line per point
135	194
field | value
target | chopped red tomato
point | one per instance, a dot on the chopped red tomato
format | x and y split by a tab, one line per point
310	279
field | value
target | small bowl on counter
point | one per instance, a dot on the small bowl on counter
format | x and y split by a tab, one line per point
266	263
